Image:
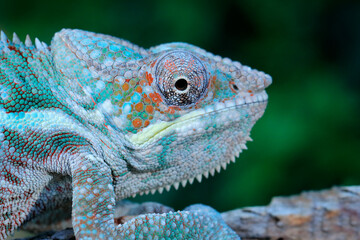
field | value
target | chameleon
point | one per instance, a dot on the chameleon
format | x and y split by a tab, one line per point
93	119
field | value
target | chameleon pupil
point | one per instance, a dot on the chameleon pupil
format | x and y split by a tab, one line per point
181	84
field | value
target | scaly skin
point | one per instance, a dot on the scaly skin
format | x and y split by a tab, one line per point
94	119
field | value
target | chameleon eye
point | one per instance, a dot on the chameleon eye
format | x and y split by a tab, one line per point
181	78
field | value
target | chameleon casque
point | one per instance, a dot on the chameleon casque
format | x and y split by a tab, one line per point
95	119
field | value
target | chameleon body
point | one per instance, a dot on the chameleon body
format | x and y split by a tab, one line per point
94	119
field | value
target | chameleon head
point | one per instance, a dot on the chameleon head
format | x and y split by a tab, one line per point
193	116
179	111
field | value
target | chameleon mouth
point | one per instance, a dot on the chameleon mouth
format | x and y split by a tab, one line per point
182	126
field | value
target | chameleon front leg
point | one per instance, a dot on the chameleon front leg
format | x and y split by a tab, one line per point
94	203
195	222
93	199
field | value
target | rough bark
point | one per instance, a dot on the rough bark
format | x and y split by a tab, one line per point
328	214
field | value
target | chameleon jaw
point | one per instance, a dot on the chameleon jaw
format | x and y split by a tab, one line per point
200	176
189	126
223	164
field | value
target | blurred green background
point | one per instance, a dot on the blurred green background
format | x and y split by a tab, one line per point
309	137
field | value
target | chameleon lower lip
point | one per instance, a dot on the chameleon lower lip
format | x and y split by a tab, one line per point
153	132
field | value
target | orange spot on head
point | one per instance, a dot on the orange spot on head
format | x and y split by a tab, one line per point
172	109
147	100
139	107
146	123
138	89
149	78
143	82
137	123
149	109
125	86
155	97
249	91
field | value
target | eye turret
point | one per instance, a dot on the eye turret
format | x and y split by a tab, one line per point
181	78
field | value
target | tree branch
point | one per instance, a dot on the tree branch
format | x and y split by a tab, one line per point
327	214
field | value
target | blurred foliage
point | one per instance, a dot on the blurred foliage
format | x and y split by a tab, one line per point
309	137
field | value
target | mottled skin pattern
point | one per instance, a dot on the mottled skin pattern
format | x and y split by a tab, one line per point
94	119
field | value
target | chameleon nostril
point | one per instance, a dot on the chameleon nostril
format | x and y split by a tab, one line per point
235	87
